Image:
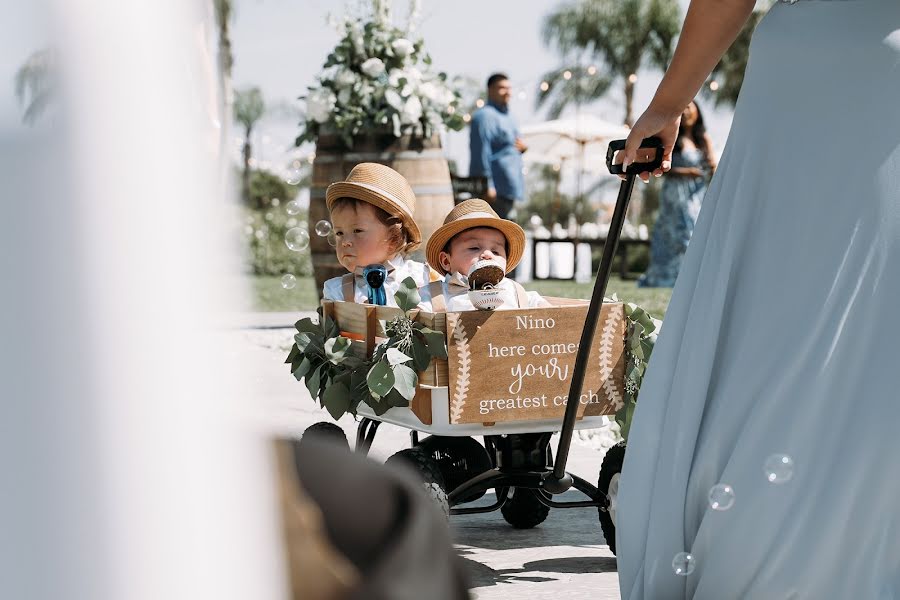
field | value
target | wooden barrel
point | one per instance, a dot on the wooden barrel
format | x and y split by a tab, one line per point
421	161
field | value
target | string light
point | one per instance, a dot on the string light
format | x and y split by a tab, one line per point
479	103
451	110
545	86
592	70
714	85
467	117
567	75
632	78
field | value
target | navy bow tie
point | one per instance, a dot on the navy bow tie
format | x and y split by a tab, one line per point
375	275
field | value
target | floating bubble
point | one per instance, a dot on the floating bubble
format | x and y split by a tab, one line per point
260	234
332	240
292	222
323	228
293	177
248	229
269	216
721	496
297	239
288	281
293	207
683	564
779	468
275	201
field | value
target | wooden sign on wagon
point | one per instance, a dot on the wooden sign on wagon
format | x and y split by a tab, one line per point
516	365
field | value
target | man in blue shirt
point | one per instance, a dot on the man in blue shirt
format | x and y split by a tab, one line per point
495	149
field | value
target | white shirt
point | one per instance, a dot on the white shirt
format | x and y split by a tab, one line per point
399	268
456	296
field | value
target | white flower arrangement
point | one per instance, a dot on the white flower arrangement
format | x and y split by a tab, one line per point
378	79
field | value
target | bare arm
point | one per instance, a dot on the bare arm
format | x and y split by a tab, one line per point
710	27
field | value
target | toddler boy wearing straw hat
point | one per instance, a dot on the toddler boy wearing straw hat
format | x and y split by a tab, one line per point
372	219
473	232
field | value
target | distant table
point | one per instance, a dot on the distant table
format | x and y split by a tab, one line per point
625	244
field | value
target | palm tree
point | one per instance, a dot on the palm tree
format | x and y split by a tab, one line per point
617	35
728	75
35	83
249	107
571	84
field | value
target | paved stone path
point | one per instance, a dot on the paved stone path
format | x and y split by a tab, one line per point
565	557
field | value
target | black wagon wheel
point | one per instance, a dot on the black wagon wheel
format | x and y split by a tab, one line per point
608	485
459	459
524	510
428	471
325	431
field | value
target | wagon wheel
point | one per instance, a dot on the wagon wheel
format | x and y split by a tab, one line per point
524	510
608	486
459	459
327	432
428	471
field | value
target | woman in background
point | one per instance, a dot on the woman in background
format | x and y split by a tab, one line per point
693	162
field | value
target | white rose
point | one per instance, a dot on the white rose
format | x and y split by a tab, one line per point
412	110
402	47
373	67
394	99
343	97
319	104
429	90
394	77
345	78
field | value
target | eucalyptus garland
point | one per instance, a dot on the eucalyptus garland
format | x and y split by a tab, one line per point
340	380
640	337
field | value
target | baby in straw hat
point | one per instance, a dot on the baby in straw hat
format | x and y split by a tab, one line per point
372	219
473	234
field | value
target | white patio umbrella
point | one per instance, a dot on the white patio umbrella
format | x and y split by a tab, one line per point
579	141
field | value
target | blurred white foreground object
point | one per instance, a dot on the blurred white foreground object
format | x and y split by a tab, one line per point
130	468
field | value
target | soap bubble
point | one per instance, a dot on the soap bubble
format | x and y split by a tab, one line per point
288	281
293	177
683	563
721	496
293	207
779	468
297	239
332	240
323	228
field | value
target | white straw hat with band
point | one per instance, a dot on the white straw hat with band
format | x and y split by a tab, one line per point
469	215
380	186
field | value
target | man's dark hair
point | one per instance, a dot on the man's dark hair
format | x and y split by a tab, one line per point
495	78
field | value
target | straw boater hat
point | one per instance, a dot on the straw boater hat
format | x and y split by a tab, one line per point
468	215
383	187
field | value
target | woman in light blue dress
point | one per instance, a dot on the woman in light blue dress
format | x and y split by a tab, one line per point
679	204
776	372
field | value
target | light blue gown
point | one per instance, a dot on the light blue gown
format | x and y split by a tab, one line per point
782	336
679	206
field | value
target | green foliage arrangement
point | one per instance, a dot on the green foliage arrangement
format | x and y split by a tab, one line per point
340	380
640	338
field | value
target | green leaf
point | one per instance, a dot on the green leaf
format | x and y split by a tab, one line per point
405	381
629	414
336	400
395	357
302	340
396	399
307	326
421	357
407	296
336	349
294	353
380	378
436	343
302	369
313	381
330	327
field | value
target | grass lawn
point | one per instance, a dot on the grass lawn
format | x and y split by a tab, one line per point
270	296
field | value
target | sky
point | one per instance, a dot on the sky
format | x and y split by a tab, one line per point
280	45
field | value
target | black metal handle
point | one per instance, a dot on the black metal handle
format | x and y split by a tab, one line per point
558	481
635	167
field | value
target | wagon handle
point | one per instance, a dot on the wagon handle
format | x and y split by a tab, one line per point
558	481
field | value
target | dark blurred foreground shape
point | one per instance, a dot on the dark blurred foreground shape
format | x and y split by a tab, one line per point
356	529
